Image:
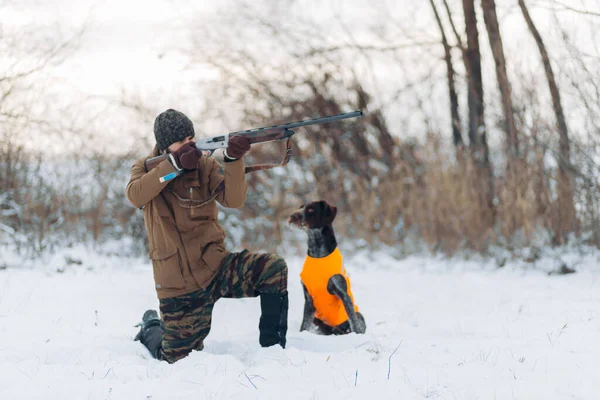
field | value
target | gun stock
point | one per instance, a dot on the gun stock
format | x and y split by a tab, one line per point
154	161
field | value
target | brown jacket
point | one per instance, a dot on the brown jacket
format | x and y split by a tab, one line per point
186	244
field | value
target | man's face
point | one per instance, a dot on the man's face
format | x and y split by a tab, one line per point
175	146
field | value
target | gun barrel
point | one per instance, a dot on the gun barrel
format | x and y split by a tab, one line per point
292	125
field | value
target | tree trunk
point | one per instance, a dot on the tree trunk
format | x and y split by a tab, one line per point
477	132
456	133
566	207
493	29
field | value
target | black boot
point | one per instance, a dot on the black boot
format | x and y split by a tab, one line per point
273	319
150	333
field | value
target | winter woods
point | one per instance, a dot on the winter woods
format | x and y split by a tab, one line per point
480	130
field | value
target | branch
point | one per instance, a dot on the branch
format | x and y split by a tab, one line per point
459	41
566	7
364	48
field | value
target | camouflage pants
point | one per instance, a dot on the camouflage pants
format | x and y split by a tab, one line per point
186	319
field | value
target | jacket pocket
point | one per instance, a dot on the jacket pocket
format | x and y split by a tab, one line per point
197	193
213	255
167	270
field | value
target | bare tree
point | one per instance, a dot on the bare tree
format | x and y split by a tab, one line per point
477	130
456	125
566	207
493	29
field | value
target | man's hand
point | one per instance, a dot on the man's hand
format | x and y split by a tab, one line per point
237	146
187	156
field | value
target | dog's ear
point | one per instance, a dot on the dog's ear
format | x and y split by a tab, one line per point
329	214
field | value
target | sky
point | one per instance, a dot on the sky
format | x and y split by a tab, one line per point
131	44
128	42
122	43
125	41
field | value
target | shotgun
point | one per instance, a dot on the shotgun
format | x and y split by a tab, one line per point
257	135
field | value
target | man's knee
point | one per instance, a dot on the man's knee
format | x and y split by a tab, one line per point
279	265
183	334
172	356
175	349
273	275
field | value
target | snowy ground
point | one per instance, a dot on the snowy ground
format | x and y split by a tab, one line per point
436	329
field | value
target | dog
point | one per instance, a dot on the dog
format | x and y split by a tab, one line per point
329	306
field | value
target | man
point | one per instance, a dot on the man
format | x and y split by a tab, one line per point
192	267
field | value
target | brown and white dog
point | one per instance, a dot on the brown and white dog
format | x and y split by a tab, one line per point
329	305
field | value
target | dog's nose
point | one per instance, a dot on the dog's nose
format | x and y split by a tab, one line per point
294	218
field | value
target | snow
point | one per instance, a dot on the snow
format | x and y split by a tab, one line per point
439	329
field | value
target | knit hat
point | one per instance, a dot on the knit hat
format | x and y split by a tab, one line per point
172	126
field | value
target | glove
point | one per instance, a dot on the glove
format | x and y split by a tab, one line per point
187	156
237	147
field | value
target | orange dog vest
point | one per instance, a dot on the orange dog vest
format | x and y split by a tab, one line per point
315	276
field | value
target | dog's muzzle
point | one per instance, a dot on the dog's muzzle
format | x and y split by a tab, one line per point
296	218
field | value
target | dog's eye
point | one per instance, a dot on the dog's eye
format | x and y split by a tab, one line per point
310	210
